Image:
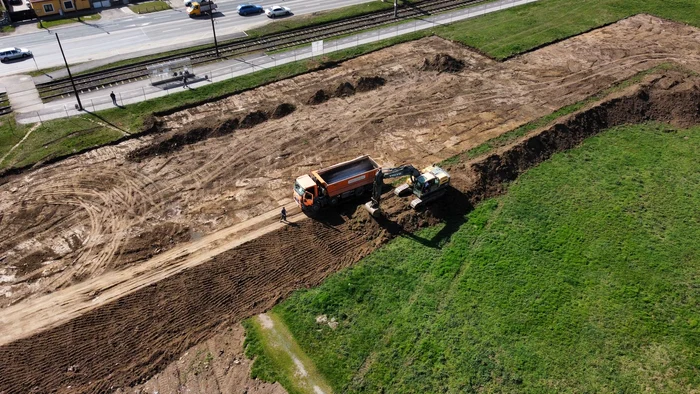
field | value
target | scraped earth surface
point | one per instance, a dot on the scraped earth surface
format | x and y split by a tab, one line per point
109	213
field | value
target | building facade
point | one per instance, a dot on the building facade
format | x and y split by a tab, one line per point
57	7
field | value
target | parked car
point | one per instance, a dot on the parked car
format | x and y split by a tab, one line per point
249	9
14	53
277	10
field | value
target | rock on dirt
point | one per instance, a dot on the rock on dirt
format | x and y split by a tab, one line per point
442	62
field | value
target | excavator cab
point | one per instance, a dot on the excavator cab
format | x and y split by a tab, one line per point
427	185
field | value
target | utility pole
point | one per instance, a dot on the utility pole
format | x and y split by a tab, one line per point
216	45
396	9
77	96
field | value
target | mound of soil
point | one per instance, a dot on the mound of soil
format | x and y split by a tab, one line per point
226	127
318	98
254	118
171	144
345	89
366	84
442	62
283	110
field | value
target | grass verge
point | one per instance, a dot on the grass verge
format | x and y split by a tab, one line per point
579	279
57	22
279	357
318	18
149	6
7	29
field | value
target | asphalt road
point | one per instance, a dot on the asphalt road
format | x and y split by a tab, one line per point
138	34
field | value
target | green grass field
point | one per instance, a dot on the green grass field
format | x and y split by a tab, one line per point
582	278
149	6
64	21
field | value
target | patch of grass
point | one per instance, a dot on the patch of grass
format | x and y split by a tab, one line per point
318	18
10	133
510	32
278	357
43	24
56	138
149	6
7	29
579	279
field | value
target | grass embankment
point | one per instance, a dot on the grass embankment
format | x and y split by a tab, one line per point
149	6
500	35
582	278
46	24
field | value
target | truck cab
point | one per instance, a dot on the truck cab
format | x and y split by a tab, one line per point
305	190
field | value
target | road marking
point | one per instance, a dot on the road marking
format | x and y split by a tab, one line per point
165	31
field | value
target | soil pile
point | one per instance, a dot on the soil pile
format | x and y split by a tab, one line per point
442	62
345	89
366	84
283	110
253	119
319	97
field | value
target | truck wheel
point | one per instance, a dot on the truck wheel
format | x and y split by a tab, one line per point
334	201
315	208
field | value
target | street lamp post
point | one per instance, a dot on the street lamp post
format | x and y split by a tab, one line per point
396	7
77	96
216	44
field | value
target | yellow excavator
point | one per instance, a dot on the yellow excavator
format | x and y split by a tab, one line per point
427	185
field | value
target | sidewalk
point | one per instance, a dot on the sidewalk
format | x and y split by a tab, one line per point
216	72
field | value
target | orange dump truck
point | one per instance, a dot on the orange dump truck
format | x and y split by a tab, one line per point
330	185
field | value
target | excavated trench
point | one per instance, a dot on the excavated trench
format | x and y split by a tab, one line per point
127	341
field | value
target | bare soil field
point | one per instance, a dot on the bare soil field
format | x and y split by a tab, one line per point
101	254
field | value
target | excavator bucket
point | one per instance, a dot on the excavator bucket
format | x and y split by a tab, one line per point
374	211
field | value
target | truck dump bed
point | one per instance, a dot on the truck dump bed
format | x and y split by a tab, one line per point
349	175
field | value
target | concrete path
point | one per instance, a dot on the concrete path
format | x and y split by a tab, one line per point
22	93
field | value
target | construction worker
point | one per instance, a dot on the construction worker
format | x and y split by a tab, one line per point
284	214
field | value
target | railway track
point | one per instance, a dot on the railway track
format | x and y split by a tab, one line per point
60	88
5	107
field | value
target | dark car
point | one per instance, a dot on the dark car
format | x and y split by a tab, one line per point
249	9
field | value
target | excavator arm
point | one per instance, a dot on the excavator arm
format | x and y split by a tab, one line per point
396	172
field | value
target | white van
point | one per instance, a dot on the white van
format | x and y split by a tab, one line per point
14	53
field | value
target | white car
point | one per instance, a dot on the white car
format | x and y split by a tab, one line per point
14	53
277	10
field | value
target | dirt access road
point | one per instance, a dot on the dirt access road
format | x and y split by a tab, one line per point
101	218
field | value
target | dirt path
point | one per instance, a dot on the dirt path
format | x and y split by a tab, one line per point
304	375
20	142
42	313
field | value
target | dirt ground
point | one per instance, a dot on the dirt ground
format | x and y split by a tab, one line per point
74	232
218	365
101	211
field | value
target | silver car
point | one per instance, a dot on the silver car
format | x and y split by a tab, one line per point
14	53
